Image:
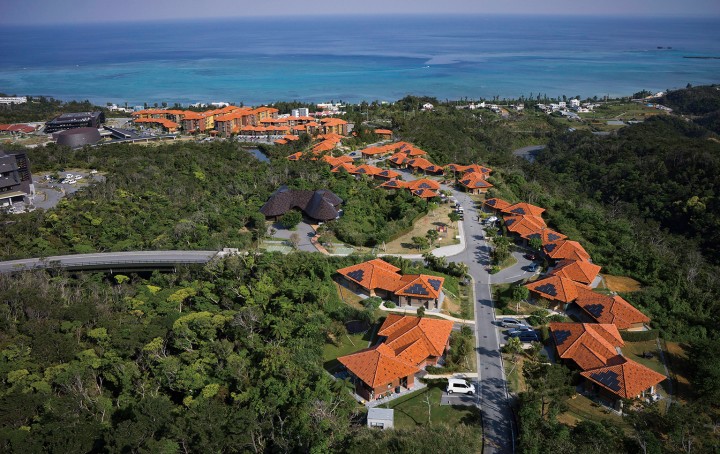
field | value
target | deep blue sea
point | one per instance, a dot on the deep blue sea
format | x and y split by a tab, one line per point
357	58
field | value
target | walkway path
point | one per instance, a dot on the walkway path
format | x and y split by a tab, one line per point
413	311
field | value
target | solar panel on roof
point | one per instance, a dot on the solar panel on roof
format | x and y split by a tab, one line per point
435	283
424	186
533	235
553	237
491	202
466	181
356	275
510	222
561	336
595	309
550	247
518	211
607	378
548	289
417	289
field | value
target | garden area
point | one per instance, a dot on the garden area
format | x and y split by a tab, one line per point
422	408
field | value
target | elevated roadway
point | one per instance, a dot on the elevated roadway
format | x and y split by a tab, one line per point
110	261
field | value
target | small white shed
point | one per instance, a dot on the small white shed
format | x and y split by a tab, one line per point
381	418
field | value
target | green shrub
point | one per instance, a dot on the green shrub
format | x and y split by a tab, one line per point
291	219
390	305
373	302
544	333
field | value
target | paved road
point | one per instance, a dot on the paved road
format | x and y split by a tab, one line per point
120	259
494	400
529	152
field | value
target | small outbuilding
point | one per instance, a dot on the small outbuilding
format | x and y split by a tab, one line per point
381	418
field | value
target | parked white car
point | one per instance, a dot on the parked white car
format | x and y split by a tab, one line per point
457	385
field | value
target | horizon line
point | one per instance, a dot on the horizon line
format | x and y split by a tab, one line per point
363	15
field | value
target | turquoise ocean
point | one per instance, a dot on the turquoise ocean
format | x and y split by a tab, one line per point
262	60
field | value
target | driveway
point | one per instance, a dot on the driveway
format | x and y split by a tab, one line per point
304	231
516	272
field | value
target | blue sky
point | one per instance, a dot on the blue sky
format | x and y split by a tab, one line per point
79	11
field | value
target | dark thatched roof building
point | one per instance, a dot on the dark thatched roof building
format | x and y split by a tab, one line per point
321	204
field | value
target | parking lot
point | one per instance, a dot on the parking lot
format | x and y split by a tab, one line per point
49	190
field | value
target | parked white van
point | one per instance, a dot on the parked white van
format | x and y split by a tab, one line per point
459	386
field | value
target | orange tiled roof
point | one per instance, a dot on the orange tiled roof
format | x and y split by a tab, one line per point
383	131
346	166
609	309
626	380
333	122
546	235
424	164
371	151
403	331
469	168
169	124
295	156
590	345
577	270
474	180
410	149
398	158
423	183
425	193
366	169
394	184
496	204
377	366
420	285
524	225
556	288
566	249
325	145
373	274
281	141
387	173
524	209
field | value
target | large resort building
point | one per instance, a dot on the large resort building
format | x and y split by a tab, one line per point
15	178
229	120
75	120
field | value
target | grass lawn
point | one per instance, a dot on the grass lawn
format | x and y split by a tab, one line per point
621	284
677	357
412	410
350	298
350	343
513	373
433	220
581	408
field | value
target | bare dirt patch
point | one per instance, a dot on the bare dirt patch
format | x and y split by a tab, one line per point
621	284
436	220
